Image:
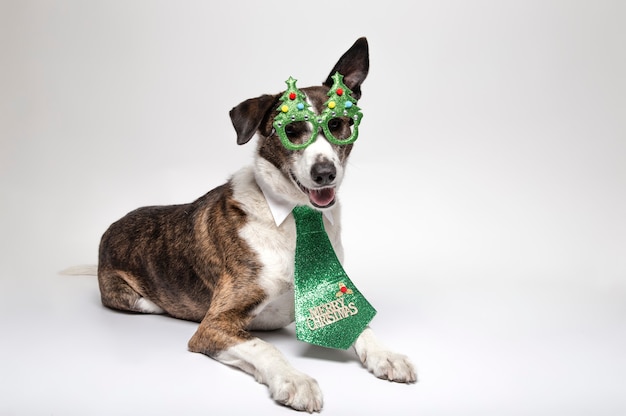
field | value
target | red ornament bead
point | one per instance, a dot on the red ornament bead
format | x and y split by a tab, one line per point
339	91
292	96
343	289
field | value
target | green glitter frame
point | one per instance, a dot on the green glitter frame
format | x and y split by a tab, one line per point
294	108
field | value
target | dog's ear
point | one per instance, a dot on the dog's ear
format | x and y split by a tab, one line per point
248	116
354	66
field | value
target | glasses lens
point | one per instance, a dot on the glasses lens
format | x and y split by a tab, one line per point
297	135
342	130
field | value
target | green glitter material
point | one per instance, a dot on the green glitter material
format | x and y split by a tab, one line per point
330	311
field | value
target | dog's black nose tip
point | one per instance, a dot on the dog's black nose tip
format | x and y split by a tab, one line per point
323	173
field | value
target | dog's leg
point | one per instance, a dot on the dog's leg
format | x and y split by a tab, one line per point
268	366
118	294
382	362
229	344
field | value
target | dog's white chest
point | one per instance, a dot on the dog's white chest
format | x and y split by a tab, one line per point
275	247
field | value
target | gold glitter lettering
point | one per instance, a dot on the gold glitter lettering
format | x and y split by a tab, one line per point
329	313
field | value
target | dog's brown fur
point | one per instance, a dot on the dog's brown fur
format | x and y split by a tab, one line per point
194	261
191	249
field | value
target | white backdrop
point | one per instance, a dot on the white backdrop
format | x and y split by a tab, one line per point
483	208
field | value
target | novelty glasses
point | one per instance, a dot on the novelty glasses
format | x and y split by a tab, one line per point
339	120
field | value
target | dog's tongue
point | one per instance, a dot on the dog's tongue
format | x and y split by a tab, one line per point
322	197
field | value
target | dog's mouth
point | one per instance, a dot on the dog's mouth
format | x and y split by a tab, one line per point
321	197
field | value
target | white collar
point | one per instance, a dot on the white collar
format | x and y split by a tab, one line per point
279	206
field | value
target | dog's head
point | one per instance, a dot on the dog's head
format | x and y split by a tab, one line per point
303	157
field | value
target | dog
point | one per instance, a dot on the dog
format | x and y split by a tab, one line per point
226	260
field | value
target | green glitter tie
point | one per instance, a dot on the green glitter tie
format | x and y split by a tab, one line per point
330	311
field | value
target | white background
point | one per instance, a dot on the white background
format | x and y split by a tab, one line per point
484	208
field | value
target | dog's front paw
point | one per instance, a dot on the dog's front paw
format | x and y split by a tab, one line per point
390	366
298	391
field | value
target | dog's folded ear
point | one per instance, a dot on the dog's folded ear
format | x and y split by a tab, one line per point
248	116
354	66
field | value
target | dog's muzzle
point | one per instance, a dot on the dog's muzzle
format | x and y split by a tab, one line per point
324	175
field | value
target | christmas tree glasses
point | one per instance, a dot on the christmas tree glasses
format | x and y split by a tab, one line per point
297	125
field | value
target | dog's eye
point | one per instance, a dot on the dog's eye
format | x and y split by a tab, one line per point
290	131
297	131
334	124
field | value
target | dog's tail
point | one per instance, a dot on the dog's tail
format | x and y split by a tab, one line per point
82	270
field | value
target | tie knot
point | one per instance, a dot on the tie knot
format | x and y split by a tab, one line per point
307	219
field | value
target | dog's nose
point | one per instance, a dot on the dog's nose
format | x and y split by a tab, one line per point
323	173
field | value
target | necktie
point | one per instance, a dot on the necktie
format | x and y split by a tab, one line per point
330	311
